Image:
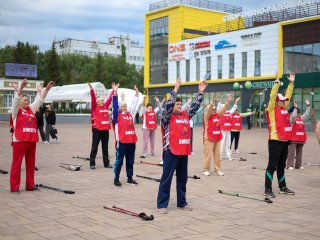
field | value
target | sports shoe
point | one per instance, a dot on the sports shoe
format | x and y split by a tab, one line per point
161	162
33	189
57	140
45	142
219	173
108	166
152	154
229	158
301	168
92	167
290	168
117	183
269	193
206	173
143	156
163	210
132	182
287	191
186	207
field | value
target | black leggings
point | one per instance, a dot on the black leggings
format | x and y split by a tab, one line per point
235	135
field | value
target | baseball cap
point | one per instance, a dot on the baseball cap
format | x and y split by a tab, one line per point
280	97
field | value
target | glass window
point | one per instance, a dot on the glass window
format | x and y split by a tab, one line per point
208	68
8	97
297	58
188	70
178	69
316	57
219	67
198	69
244	60
257	63
231	65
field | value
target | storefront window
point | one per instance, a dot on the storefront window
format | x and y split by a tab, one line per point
178	69
208	68
257	63
219	67
198	69
188	70
244	63
231	65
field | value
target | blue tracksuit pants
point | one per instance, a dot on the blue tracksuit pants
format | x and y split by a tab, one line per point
126	150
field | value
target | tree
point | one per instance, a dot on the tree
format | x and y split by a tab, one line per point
53	66
98	68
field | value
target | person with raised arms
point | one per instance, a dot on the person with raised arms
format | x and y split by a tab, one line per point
177	147
25	136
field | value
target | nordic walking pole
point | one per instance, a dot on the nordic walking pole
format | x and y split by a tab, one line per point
83	158
259	168
150	178
71	167
55	189
267	200
142	215
194	177
3	171
148	163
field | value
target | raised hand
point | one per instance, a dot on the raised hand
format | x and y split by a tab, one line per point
307	102
202	86
177	85
277	76
213	101
156	99
291	77
90	85
115	87
137	90
24	83
229	98
237	100
15	85
189	100
39	88
50	85
295	104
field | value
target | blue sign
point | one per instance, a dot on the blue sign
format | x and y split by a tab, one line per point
224	44
21	70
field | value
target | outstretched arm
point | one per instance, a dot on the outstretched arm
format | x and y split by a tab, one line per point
305	116
135	101
197	103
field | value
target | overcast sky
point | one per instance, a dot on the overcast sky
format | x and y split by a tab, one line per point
40	22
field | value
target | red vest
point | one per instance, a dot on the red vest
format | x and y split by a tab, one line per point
126	129
180	134
226	121
214	128
151	119
26	126
236	122
283	126
102	118
298	131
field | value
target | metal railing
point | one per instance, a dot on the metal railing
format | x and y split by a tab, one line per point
206	4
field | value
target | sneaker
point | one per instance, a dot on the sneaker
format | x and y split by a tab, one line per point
301	168
132	182
117	183
152	154
290	168
45	142
143	156
108	166
35	168
193	153
163	210
206	173
161	162
57	140
219	173
92	167
186	207
229	158
269	193
33	189
287	191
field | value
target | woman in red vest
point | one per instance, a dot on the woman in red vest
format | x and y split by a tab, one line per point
212	136
299	136
236	127
25	136
100	128
149	126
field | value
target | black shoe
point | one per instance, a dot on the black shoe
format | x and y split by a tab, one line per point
287	191
131	181
143	156
33	189
117	183
92	167
35	168
269	193
108	166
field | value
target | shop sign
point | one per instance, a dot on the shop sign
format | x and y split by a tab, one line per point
224	44
251	35
198	45
202	53
177	57
177	48
265	84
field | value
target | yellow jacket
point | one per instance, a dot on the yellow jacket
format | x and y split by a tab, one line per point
271	105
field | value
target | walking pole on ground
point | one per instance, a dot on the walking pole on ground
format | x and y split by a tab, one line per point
194	177
83	158
3	171
71	167
148	163
259	168
267	200
312	164
249	152
55	189
142	215
150	178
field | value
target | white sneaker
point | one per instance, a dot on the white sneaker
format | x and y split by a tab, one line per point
229	158
45	142
193	153
301	168
57	140
206	173
161	162
290	168
219	173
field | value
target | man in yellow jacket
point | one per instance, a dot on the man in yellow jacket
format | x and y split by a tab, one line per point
279	135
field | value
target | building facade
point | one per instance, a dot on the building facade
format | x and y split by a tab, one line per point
237	52
134	52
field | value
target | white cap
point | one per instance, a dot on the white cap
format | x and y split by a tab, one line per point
280	97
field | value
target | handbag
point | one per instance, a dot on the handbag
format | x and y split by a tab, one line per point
53	131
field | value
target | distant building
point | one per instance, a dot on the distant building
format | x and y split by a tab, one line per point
134	52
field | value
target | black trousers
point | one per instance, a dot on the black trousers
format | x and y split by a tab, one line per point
278	153
42	133
249	122
97	136
236	136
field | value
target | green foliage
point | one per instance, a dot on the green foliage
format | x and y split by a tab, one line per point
74	68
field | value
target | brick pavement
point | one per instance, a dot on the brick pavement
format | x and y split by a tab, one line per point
51	215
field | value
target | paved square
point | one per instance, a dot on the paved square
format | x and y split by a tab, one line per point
47	214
